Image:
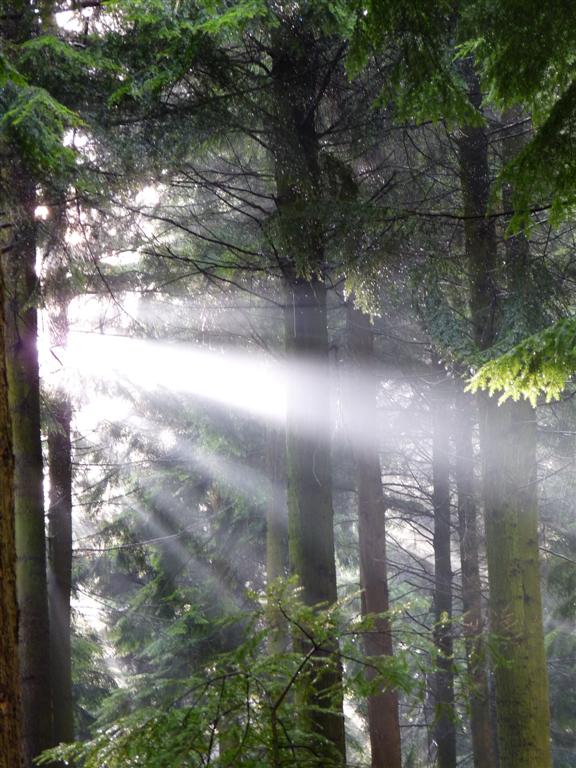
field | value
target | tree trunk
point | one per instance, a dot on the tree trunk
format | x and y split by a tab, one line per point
310	513
276	531
515	600
301	238
311	535
24	396
480	720
383	717
507	439
11	754
444	723
60	568
57	287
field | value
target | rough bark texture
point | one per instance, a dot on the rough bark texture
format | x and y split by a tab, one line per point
24	397
11	755
480	719
20	370
514	575
507	438
444	724
383	717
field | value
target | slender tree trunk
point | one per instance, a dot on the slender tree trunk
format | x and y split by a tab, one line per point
383	717
476	660
444	724
507	438
57	287
60	568
24	396
295	60
276	530
11	754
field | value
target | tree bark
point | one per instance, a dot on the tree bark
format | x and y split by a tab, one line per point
11	753
444	730
514	575
24	396
473	627
383	716
507	438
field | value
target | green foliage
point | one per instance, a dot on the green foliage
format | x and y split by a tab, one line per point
223	17
541	364
416	41
526	53
545	170
161	47
246	707
93	681
34	122
79	77
444	320
525	48
9	74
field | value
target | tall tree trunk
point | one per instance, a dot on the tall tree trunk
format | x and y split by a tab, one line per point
383	717
310	512
60	568
58	290
21	357
444	723
24	396
11	754
515	600
476	660
295	73
507	438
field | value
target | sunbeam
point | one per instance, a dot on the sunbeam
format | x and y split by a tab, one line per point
252	383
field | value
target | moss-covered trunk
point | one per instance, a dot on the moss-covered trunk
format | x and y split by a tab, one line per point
476	660
11	755
507	439
509	466
383	717
24	396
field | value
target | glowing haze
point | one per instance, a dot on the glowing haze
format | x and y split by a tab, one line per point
250	382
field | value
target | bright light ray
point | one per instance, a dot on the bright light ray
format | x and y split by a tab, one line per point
237	476
164	529
248	382
231	473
